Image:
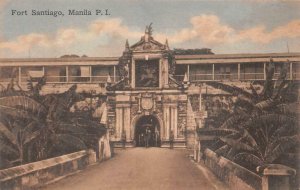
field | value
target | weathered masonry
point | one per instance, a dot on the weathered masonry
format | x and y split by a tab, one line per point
150	86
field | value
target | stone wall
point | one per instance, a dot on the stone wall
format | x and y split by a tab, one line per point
190	126
236	176
36	174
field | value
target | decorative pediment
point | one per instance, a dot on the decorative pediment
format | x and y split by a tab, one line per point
147	42
142	45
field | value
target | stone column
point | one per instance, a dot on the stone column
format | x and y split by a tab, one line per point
291	70
127	126
174	121
133	74
114	79
188	72
265	77
67	74
91	74
161	69
213	71
276	176
119	122
239	71
20	76
166	118
166	74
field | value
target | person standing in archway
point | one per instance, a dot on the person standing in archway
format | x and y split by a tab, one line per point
156	136
147	137
124	140
171	139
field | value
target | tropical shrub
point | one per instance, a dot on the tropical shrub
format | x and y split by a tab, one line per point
262	129
35	127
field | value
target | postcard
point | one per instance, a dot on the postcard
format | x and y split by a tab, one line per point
161	94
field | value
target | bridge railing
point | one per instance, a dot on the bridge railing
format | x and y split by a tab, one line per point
33	175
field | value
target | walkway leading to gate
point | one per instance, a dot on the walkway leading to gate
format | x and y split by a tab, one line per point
141	168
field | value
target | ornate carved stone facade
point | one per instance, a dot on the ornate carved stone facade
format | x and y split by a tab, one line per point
145	94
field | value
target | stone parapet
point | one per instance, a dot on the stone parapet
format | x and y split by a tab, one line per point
236	176
36	174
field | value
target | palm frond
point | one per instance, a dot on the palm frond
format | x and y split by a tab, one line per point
7	150
69	128
236	144
279	118
290	93
246	157
254	92
66	143
31	137
283	144
216	131
283	130
222	150
7	133
245	103
230	89
268	119
265	104
17	113
21	106
278	89
233	119
248	137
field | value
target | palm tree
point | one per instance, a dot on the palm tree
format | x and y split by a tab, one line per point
20	124
34	127
261	128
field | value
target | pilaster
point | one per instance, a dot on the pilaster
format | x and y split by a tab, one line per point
166	111
127	127
133	73
166	73
119	122
174	120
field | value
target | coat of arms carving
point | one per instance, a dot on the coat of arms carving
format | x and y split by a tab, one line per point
147	103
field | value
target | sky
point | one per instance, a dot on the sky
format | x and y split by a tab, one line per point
226	27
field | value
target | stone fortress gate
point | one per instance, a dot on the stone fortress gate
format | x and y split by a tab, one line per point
147	96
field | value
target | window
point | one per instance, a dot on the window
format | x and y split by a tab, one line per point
180	71
100	73
56	74
201	72
32	72
252	71
79	73
296	70
279	67
226	71
7	73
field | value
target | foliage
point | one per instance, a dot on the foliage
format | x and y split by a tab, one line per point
261	129
35	127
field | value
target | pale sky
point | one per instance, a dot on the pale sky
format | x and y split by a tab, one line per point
240	26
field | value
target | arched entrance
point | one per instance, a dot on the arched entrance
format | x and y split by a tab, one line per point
147	131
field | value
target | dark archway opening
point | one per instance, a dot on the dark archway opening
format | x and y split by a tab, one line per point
147	132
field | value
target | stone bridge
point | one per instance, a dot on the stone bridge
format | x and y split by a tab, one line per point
143	168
